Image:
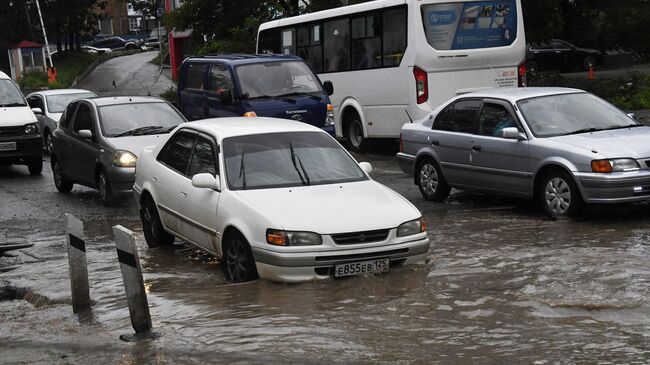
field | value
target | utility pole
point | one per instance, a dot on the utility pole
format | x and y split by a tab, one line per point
47	44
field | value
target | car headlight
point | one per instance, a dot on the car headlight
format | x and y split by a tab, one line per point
329	120
412	227
124	159
614	165
30	128
288	238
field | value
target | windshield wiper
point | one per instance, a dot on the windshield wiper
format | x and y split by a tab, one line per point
242	169
585	130
9	105
281	97
625	126
304	178
305	94
140	131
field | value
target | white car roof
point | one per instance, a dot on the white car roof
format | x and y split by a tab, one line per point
3	76
242	126
61	92
515	94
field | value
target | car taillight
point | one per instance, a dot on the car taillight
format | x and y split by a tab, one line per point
521	73
421	85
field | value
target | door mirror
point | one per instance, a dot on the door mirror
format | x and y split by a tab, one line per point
226	97
366	167
512	133
37	111
86	134
632	116
329	87
206	181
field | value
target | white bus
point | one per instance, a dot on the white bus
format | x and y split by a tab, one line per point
395	60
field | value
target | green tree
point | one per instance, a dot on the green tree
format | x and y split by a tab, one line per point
148	8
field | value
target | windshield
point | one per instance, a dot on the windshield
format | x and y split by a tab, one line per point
470	25
274	79
557	115
57	103
10	95
275	160
138	119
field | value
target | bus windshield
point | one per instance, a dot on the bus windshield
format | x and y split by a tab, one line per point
470	25
276	79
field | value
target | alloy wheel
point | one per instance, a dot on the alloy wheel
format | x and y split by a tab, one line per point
557	196
429	178
236	261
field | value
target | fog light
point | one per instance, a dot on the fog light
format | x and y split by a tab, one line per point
638	189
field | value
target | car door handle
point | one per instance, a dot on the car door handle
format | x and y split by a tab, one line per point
435	142
476	148
184	195
154	178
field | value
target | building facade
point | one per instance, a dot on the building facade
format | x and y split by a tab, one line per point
114	18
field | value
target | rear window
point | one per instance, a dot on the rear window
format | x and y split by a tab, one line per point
470	25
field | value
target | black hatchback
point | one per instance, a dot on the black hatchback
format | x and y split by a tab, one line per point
560	55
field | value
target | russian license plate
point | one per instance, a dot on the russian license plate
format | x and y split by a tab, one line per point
363	267
8	146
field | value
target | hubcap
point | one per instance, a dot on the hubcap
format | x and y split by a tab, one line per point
356	133
236	261
557	196
149	221
429	179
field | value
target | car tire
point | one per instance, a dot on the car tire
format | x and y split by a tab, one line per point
106	196
47	141
154	233
35	166
238	263
559	195
354	134
588	62
62	184
431	181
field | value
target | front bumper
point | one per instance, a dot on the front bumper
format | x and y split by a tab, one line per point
28	147
294	267
406	163
622	187
121	179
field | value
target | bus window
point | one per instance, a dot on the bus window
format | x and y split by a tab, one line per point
309	46
471	25
337	45
394	36
269	41
289	41
366	42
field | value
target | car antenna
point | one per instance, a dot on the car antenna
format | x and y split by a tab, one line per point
408	115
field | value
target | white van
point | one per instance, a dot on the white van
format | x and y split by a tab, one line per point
20	139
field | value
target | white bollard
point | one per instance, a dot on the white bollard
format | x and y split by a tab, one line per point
127	255
78	265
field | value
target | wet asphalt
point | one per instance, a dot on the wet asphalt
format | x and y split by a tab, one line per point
505	284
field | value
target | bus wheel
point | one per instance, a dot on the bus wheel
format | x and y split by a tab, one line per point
354	133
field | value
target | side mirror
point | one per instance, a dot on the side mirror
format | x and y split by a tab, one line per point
329	87
366	167
37	111
631	115
206	181
86	134
226	97
512	133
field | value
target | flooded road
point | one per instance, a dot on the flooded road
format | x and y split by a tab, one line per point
505	285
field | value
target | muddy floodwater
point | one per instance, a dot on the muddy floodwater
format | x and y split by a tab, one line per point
504	285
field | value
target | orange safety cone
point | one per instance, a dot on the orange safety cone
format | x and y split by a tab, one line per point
590	73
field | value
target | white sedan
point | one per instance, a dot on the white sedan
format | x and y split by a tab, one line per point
274	198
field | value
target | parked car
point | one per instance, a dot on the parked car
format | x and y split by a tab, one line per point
274	198
20	138
98	142
95	50
254	85
560	55
564	147
156	35
117	43
48	106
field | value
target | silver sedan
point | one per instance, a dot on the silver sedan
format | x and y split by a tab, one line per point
564	147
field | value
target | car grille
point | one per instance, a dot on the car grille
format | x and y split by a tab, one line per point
362	256
360	237
11	131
